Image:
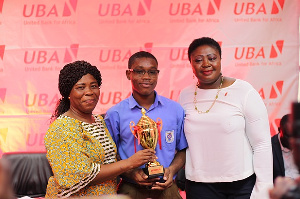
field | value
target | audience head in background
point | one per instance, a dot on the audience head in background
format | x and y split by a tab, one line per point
284	131
79	84
283	162
6	191
286	187
295	133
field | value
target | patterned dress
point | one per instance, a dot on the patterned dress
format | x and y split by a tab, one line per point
76	150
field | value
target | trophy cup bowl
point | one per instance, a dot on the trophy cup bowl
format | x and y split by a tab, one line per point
146	131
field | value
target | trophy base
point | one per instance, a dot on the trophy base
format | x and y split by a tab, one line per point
155	172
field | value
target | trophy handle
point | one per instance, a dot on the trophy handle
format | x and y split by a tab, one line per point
159	124
132	129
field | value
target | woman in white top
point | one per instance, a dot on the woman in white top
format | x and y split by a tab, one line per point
227	129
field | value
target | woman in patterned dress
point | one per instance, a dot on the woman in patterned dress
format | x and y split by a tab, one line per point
79	147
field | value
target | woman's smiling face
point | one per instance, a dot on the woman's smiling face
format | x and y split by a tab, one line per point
84	95
206	64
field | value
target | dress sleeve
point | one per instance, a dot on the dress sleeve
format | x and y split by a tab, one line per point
258	133
66	153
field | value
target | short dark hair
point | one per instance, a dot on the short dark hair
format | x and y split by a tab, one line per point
69	75
140	54
203	41
283	121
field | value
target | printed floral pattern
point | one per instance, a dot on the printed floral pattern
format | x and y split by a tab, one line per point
76	150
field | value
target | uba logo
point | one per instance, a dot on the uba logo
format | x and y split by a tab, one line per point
2	94
259	52
35	139
40	99
194	9
43	10
124	9
43	56
1	5
276	90
117	55
178	54
250	8
2	48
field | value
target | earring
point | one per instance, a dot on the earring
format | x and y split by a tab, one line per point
69	97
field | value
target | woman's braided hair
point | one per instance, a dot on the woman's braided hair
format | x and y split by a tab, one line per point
68	77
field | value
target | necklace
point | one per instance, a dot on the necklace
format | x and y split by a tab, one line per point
217	95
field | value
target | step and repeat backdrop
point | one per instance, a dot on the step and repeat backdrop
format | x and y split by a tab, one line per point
259	40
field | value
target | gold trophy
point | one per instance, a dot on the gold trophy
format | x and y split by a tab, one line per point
147	132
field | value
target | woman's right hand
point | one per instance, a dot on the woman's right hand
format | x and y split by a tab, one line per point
141	157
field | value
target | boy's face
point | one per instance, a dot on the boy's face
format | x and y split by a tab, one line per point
143	75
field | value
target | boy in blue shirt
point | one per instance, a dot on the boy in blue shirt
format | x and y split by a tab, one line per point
170	150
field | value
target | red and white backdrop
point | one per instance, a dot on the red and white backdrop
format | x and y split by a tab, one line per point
259	39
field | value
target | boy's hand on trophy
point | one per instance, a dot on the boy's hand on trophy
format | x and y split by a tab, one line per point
168	178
